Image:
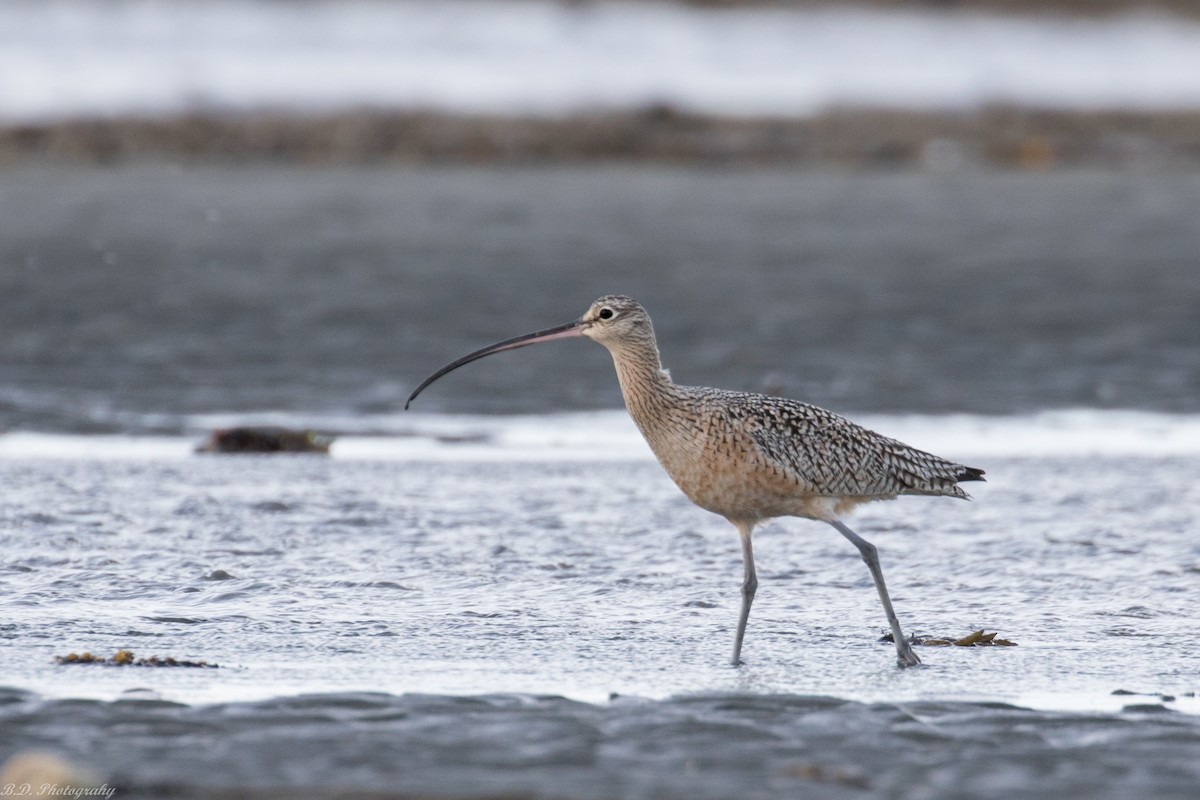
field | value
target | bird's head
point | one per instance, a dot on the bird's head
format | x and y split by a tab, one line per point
614	321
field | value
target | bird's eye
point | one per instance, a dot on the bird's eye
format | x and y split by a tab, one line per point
605	313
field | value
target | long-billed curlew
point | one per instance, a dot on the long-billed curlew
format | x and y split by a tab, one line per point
749	457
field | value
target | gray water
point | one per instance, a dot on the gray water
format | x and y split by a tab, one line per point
156	290
479	621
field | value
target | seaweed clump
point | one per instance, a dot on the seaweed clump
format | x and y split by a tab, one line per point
125	658
976	639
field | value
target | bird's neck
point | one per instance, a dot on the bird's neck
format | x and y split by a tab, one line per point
645	385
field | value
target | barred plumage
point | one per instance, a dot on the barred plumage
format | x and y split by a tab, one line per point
835	456
749	457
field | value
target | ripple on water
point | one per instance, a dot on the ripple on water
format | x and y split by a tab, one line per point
473	580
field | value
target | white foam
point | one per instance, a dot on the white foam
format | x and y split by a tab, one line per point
1067	433
24	445
106	57
611	436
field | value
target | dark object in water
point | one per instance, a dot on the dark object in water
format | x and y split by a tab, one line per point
124	658
976	639
266	439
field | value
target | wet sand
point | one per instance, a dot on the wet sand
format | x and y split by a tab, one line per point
997	136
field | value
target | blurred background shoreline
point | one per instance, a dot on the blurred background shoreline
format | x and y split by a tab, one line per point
939	84
1057	7
995	137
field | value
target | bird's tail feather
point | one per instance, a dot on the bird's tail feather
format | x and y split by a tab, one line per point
970	474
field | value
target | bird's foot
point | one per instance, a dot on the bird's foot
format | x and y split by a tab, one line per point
905	657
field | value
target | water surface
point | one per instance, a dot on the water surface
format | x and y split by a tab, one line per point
135	292
521	602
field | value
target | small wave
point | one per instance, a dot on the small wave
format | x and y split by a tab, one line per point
611	436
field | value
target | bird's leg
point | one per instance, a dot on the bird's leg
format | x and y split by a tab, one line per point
749	587
904	652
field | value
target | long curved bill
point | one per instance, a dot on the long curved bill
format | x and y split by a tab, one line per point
569	330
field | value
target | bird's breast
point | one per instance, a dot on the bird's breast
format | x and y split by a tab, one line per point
717	466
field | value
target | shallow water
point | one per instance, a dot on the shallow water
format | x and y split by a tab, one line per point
585	577
559	575
526	604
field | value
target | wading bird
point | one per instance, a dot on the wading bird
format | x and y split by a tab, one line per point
749	457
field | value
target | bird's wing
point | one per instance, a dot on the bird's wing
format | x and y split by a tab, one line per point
832	456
